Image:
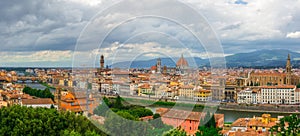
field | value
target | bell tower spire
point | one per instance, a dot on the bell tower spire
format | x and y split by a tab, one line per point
102	62
288	70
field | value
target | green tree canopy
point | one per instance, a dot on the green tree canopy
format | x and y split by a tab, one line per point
207	126
175	132
293	128
17	120
46	93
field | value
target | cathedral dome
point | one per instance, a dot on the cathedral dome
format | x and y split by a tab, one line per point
182	62
153	68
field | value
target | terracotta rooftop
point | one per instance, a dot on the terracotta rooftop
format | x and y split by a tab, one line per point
268	74
243	122
218	116
146	118
115	72
37	101
187	87
145	86
248	133
179	114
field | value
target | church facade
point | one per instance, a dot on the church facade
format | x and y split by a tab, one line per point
274	78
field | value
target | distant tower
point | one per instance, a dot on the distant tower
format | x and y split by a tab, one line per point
165	69
102	62
288	71
158	65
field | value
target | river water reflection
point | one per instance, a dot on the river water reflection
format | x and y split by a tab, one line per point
231	116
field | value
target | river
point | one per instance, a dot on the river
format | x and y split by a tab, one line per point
39	86
231	116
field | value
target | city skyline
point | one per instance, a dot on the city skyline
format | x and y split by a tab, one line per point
144	68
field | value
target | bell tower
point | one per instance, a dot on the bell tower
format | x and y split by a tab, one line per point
288	71
158	65
102	62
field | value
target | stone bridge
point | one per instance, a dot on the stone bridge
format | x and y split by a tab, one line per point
25	78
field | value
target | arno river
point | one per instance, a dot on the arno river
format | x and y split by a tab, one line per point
230	116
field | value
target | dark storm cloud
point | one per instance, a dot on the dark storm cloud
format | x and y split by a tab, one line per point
25	24
55	25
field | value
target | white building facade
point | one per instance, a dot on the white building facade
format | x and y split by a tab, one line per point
247	96
284	94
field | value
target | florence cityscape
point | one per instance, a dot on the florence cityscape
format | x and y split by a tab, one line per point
153	68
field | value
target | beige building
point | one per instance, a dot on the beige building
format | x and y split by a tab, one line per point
186	92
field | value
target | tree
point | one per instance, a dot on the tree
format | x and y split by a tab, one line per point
102	108
106	101
208	127
72	133
156	122
175	132
208	120
293	128
208	131
46	93
121	124
156	115
18	120
118	104
140	112
127	115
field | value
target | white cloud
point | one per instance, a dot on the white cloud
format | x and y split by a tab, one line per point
255	20
39	56
293	34
87	2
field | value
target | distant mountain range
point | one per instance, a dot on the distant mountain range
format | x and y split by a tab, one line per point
263	58
256	59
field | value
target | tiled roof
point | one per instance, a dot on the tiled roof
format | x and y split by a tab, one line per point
145	86
249	133
37	101
187	87
179	114
268	74
243	122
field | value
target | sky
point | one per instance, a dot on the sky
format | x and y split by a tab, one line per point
65	33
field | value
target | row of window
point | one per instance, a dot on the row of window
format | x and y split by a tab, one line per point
274	101
272	90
